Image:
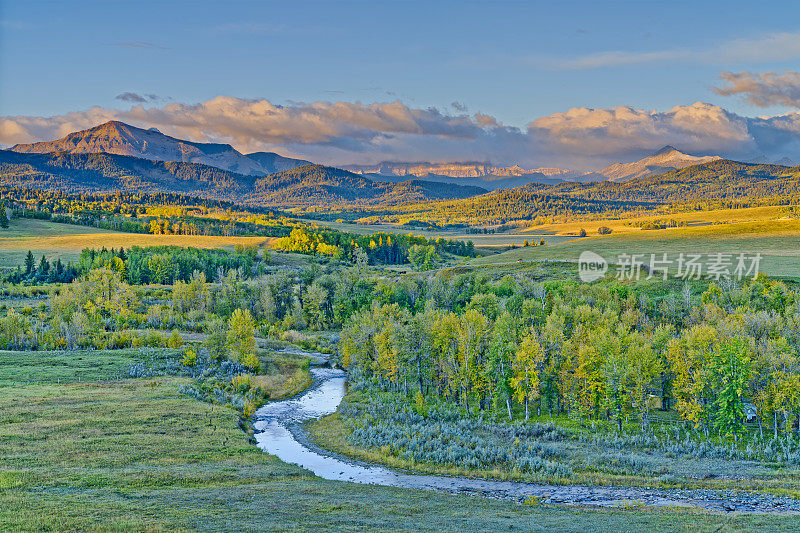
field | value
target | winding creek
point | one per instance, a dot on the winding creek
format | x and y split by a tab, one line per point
279	432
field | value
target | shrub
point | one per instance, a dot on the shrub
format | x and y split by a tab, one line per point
175	340
189	358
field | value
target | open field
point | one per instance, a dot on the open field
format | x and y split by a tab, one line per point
137	454
777	241
66	241
499	239
63	366
691	218
558	233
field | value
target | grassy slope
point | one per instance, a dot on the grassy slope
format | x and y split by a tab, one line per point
66	241
136	454
778	242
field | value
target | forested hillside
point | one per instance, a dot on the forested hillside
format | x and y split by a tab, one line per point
303	186
719	183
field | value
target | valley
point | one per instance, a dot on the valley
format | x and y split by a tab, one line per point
381	266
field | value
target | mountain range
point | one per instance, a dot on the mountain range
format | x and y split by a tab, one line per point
492	177
118	138
484	175
301	186
116	156
667	159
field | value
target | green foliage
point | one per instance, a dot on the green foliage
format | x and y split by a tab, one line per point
601	350
730	377
3	215
241	339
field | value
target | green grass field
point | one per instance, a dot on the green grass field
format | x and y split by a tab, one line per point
488	240
777	241
66	241
135	454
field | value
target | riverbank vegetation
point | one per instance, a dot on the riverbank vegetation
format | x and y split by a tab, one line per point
514	373
136	453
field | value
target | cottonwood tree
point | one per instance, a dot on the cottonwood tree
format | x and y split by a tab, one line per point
526	367
241	339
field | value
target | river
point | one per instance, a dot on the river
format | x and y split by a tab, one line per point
279	432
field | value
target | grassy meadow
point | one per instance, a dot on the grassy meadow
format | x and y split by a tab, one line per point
777	240
136	454
488	240
84	446
66	241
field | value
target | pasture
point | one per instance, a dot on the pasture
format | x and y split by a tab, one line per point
482	240
777	240
65	241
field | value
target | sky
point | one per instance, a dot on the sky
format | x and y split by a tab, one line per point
568	84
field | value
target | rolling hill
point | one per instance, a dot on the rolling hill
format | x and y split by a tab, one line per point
717	183
309	185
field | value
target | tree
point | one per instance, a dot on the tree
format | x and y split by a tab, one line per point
431	257
617	374
527	360
161	268
315	304
217	340
645	366
241	338
44	268
688	357
30	263
501	351
730	373
3	216
416	256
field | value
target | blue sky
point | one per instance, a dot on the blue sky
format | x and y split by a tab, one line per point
513	61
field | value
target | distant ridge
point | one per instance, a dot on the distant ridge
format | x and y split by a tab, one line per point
485	175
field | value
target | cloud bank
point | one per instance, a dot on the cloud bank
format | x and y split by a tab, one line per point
763	90
344	132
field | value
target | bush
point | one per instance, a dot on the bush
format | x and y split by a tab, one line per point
175	340
189	358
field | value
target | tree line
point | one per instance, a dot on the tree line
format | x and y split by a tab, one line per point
590	350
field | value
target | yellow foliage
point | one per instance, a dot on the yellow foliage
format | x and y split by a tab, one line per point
189	358
175	340
242	378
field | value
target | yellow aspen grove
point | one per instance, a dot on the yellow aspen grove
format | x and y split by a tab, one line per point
526	366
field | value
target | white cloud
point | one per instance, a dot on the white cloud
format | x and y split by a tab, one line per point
763	90
346	132
767	48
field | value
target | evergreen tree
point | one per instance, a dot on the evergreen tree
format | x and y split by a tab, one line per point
3	216
30	262
44	267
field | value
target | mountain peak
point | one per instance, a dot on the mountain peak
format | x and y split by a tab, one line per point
115	137
664	160
666	150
